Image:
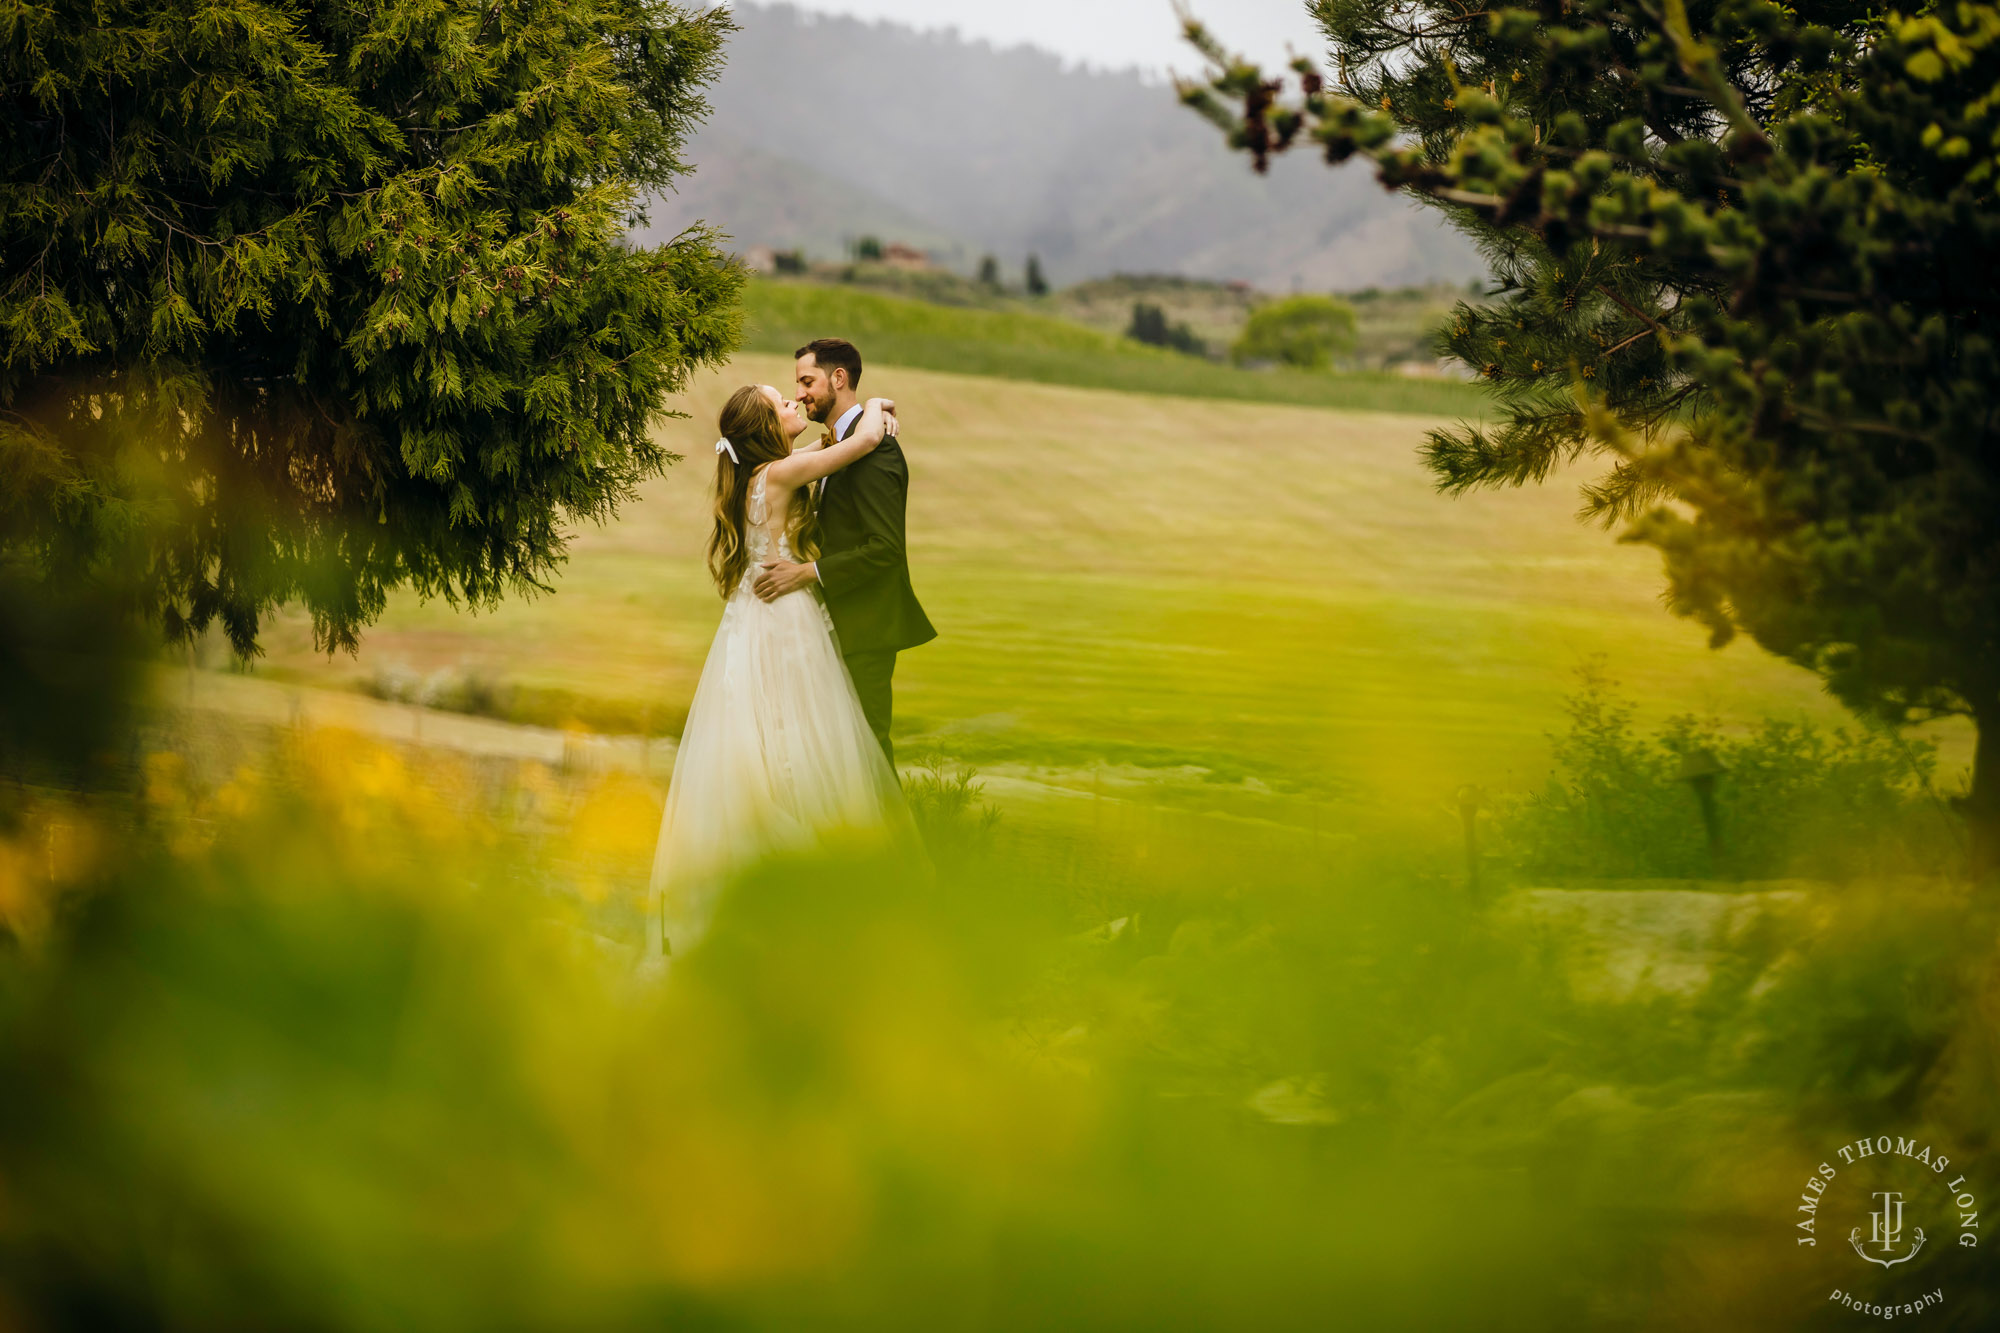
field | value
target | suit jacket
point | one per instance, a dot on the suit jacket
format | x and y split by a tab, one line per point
863	569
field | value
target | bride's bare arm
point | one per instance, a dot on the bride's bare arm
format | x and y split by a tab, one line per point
804	466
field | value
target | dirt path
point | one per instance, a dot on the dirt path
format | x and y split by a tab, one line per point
246	699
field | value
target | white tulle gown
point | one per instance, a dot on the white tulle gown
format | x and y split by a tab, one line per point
776	755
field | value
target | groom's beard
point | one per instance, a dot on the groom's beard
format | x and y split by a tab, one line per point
818	412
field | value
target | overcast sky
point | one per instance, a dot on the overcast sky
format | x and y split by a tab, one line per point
1110	34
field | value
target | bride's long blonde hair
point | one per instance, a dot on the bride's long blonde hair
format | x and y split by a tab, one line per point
751	426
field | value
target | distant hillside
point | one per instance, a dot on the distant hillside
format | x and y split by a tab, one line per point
966	149
1022	345
1394	327
761	198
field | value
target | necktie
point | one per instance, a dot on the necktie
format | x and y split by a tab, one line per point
819	487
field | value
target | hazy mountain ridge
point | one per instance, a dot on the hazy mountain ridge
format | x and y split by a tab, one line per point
965	148
758	197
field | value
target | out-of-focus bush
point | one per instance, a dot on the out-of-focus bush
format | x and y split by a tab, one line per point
334	1047
1304	332
947	800
68	664
331	1041
1791	798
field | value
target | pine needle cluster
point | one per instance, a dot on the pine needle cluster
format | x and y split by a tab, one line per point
1748	256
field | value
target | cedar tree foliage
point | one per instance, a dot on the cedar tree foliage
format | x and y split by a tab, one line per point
312	299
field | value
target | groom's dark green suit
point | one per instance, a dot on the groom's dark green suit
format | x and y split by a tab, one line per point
865	574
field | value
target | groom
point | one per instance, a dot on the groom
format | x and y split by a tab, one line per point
862	567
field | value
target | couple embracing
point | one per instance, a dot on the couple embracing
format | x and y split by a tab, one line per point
788	734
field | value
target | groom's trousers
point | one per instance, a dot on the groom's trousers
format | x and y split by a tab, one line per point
872	673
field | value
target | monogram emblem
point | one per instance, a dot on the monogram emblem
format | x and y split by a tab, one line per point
1885	1232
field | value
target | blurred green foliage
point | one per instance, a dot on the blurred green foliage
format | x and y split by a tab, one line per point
948	802
1150	326
1303	332
338	1036
68	664
1792	798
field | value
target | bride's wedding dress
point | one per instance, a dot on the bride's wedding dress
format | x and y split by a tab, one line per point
776	754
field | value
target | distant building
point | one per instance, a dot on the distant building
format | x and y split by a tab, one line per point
897	255
761	259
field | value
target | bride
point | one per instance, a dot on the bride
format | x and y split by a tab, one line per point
776	753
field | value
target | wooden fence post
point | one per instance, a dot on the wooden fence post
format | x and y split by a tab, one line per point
1469	799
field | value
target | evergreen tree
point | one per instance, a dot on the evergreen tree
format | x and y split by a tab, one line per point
312	301
1747	253
1035	283
989	272
1151	326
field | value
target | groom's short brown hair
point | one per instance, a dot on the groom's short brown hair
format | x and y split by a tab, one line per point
831	353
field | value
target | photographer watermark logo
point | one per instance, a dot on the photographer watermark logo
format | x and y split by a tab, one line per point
1886	1230
1881	1196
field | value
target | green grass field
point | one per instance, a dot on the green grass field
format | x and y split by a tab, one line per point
1017	345
1251	607
1390	326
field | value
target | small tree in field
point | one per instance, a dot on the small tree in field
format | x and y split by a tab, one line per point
1151	326
312	300
1033	281
1304	332
1749	253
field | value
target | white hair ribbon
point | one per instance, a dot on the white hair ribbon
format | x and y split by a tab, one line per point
723	446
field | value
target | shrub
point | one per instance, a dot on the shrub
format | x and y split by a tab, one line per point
1150	326
355	282
1791	799
338	1031
1306	332
946	801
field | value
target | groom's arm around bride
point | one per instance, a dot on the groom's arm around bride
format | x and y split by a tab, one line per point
863	567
